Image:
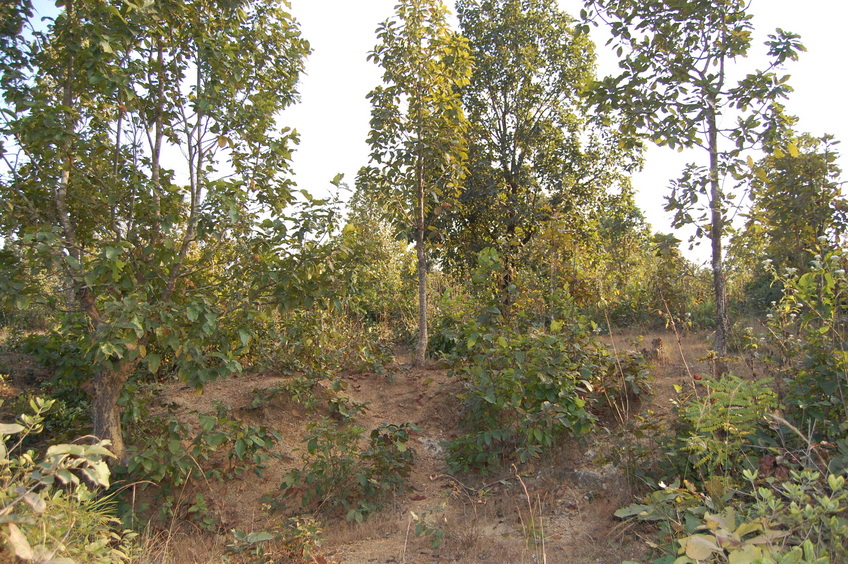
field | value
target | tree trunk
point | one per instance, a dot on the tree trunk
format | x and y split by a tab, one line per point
106	414
716	233
421	348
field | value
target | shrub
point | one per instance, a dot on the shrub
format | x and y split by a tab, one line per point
523	390
338	476
800	519
172	454
812	324
724	419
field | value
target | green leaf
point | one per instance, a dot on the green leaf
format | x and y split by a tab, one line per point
700	547
66	477
63	449
633	509
153	362
261	536
207	422
10	428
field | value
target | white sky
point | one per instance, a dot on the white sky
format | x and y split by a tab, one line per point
334	113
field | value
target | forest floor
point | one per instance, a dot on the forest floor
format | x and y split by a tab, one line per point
568	497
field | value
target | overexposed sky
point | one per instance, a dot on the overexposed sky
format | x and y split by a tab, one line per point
334	113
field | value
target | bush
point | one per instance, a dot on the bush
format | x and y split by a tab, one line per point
812	324
523	390
172	454
800	519
723	420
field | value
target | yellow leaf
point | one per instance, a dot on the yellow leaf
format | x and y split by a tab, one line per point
18	542
793	149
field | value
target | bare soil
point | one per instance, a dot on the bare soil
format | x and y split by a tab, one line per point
569	496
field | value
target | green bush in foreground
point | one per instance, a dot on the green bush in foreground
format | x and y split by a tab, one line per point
803	519
47	510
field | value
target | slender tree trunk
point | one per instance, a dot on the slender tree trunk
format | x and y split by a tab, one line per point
717	230
423	338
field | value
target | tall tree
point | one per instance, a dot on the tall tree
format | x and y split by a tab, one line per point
675	87
534	154
417	139
141	155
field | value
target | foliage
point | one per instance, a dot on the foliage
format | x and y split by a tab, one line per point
797	207
426	525
172	455
723	421
523	390
801	519
47	510
810	325
94	99
417	137
535	156
338	476
320	342
641	447
450	332
380	269
623	379
297	388
295	539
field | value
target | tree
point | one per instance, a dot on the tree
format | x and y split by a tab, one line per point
797	210
98	106
675	88
534	155
417	126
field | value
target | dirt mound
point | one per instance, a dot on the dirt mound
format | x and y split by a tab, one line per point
560	509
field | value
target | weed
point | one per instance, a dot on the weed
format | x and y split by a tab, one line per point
174	454
298	389
296	539
724	419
